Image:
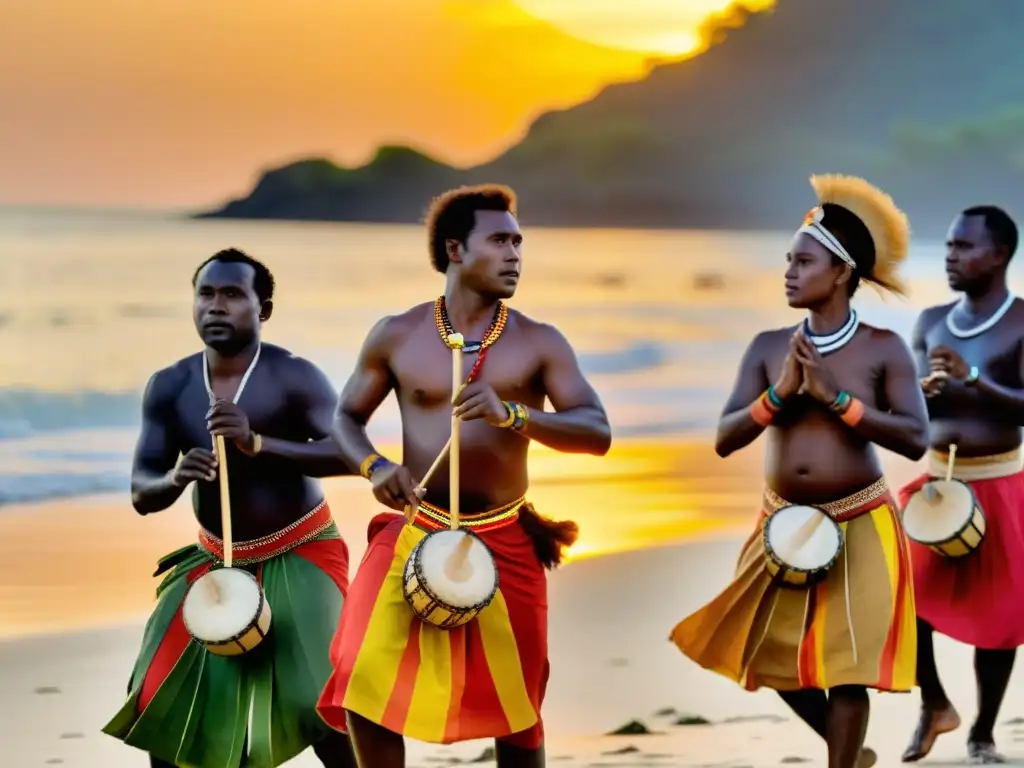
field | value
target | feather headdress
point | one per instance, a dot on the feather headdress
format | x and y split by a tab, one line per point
887	224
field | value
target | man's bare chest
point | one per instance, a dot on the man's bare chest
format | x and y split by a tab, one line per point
426	380
996	351
266	405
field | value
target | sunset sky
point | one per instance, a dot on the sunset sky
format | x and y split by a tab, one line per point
120	102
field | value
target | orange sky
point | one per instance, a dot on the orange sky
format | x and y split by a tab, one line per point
122	102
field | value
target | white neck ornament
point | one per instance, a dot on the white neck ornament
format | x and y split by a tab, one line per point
828	343
241	384
981	327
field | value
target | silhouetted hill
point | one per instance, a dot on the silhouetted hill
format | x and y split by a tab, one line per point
924	97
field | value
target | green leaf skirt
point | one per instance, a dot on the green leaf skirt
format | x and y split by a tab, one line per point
195	709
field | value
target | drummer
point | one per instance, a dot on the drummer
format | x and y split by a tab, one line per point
397	676
185	705
825	392
969	354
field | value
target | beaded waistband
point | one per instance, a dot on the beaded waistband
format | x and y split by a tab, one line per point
306	528
433	518
844	509
975	467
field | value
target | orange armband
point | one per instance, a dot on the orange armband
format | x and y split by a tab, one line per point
849	409
763	410
854	413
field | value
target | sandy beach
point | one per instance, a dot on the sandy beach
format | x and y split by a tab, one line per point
610	618
661	516
611	664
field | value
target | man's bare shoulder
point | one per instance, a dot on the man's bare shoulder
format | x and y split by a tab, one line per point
166	384
930	316
537	331
391	329
300	371
1016	315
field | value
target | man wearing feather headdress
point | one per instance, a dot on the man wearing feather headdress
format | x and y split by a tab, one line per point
969	354
840	388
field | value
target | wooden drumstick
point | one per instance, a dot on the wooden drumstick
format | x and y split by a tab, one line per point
457	568
933	495
805	532
225	501
409	508
456	342
225	515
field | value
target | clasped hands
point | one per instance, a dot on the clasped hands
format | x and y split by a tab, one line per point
945	364
393	484
804	372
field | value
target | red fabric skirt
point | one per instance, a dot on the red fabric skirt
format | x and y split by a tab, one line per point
486	679
977	599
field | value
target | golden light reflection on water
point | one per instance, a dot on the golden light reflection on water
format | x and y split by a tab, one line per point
103	307
88	562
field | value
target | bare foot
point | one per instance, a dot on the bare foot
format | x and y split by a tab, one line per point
933	722
983	753
868	758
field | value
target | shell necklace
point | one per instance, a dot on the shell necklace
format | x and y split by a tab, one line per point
241	384
981	327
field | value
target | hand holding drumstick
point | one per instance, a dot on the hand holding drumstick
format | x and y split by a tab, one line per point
410	510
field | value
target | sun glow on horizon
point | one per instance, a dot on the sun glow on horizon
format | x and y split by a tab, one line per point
672	28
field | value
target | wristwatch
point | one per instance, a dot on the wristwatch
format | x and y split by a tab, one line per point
972	377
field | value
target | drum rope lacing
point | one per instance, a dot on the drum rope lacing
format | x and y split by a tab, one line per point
982	327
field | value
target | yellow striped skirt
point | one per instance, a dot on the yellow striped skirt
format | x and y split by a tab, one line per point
855	627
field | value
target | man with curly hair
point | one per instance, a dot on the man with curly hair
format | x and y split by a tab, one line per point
395	675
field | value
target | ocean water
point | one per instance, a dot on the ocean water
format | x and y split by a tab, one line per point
91	303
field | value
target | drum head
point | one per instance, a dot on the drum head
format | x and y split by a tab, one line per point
937	519
221	603
803	537
481	575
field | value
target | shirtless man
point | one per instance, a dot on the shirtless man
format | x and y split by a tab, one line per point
380	692
187	706
840	388
970	355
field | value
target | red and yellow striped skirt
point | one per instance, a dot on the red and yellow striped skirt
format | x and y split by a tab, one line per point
856	627
485	679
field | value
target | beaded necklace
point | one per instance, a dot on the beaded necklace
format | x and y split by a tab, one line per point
494	330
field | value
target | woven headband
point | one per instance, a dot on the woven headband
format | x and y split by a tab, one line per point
812	226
